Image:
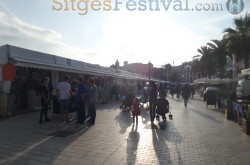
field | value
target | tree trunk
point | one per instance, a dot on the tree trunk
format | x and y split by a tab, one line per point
234	66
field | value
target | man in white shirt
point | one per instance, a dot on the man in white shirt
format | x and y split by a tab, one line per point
63	91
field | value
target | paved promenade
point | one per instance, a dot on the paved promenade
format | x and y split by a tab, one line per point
196	135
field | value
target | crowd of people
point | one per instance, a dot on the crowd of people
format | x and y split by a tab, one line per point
153	94
158	91
73	95
80	93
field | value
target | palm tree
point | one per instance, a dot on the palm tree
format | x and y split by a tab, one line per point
238	40
207	60
218	48
196	66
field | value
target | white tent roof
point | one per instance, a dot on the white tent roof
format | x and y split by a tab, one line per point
214	81
246	71
30	58
3	54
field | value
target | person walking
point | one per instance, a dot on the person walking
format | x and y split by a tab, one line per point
152	99
80	101
185	93
44	100
161	90
63	91
192	91
172	90
92	98
177	90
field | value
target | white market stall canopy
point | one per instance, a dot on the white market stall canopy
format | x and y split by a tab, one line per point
214	81
246	71
34	59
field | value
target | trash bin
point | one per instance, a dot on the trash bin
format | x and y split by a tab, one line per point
210	94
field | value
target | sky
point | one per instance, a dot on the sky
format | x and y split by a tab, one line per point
137	31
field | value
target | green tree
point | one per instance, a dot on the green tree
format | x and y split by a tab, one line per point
174	76
167	71
238	39
218	52
114	66
207	60
196	66
159	73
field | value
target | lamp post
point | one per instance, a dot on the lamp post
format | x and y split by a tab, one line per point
150	65
165	74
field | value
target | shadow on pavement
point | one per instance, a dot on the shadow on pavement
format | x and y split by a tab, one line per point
132	145
70	130
124	120
204	114
164	134
108	107
41	144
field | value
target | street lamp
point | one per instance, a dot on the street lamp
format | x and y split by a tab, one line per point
165	74
150	65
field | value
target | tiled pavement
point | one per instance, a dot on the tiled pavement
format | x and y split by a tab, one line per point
196	135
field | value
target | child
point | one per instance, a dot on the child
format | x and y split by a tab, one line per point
136	110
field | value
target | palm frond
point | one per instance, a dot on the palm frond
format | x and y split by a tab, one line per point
230	31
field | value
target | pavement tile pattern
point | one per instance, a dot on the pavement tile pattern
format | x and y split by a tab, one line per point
195	136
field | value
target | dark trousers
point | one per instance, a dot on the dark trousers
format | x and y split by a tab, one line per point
44	112
135	117
81	111
185	101
92	112
152	107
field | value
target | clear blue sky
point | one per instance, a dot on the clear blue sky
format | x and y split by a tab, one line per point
102	37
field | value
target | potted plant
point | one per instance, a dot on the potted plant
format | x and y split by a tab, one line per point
229	111
246	122
229	114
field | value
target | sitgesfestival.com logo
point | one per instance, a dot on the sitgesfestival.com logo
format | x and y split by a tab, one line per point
84	6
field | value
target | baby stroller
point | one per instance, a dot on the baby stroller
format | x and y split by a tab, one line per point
143	99
162	107
127	101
